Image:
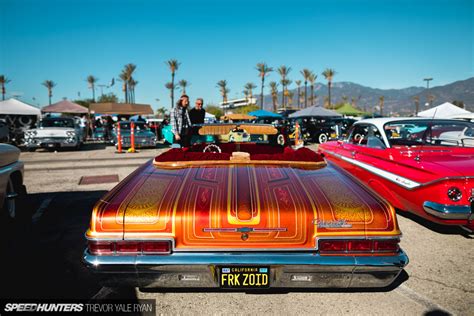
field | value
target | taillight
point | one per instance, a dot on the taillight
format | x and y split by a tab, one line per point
124	247
351	246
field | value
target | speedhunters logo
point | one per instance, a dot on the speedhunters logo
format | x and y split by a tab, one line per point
144	307
43	307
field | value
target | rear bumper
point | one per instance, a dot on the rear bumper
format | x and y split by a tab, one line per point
449	211
199	270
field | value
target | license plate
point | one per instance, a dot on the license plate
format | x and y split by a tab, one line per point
333	135
51	145
244	277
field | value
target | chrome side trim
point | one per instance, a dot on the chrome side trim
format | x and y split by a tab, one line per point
399	180
447	211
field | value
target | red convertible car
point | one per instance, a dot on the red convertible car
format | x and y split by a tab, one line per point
424	166
236	211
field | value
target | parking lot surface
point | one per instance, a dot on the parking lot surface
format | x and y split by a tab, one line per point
44	252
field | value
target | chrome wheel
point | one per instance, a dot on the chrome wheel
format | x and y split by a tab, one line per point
322	138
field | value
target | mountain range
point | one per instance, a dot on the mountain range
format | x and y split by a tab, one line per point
399	101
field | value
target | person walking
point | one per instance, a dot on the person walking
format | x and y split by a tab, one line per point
181	123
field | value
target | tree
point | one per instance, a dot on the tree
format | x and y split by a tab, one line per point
306	73
132	83
381	102
214	110
246	109
283	71
417	104
3	81
49	84
274	93
173	65
91	80
124	79
161	112
329	75
298	84
222	85
108	98
458	103
312	80
183	84
263	70
170	86
286	93
249	86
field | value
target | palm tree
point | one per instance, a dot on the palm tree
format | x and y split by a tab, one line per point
183	84
283	71
173	65
285	83
312	80
170	86
306	73
91	80
249	86
3	81
274	93
161	111
222	85
132	83
381	100
329	75
298	83
417	104
49	84
124	78
263	70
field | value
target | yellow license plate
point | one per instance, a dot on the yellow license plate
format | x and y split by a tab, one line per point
244	277
333	135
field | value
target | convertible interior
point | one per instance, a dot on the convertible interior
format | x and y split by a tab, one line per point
241	142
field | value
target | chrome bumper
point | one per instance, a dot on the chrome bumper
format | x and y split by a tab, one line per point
446	211
287	270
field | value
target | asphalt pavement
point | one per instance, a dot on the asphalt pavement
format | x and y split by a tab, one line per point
44	250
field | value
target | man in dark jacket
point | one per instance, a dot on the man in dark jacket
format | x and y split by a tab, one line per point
198	113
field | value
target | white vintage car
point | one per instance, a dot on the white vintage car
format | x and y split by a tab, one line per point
11	180
54	133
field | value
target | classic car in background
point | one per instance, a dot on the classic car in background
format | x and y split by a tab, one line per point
243	212
144	137
4	131
422	166
54	133
11	180
321	129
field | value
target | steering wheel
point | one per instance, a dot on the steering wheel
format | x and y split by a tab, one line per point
212	148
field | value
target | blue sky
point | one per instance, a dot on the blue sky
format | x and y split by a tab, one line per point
382	43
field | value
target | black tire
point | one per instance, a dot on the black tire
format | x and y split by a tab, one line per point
322	138
9	204
31	149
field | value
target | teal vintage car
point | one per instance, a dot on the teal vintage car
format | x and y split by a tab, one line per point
144	137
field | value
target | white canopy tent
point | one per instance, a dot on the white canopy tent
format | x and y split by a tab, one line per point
16	107
209	118
445	110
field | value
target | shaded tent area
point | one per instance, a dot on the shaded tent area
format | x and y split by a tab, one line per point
65	106
313	111
445	110
19	116
349	110
265	114
121	108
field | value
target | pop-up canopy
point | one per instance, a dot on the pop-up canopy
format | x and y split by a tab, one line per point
314	111
64	106
445	110
16	107
265	114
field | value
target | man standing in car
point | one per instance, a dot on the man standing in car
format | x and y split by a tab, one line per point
181	123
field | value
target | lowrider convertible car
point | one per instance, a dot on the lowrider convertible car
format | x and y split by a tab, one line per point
243	214
423	166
